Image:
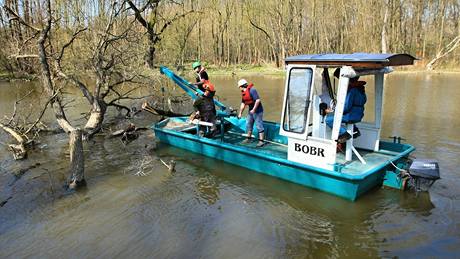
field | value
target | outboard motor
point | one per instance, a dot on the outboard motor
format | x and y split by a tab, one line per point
423	174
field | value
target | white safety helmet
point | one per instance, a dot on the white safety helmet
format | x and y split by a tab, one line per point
242	82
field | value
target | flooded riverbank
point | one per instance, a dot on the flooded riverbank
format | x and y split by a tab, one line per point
211	209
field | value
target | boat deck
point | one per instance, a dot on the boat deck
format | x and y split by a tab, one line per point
374	160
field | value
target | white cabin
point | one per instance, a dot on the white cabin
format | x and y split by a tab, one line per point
309	82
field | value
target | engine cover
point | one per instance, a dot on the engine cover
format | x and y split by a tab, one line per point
424	168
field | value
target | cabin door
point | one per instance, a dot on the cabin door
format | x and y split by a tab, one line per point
297	99
295	120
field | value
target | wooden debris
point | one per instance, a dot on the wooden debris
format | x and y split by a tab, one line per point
171	166
153	110
19	151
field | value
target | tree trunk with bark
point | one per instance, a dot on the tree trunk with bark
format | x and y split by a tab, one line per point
96	118
76	145
384	30
77	160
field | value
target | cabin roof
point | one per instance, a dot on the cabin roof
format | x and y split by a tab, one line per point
371	60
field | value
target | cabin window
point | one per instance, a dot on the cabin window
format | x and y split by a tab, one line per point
298	100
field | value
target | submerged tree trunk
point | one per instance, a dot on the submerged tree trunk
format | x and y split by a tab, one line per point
76	146
77	160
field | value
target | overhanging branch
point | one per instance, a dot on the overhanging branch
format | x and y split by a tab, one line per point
16	17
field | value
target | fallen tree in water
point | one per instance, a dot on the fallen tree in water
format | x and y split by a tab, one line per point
23	133
128	134
161	112
105	54
108	62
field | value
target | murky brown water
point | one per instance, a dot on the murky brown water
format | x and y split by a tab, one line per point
210	209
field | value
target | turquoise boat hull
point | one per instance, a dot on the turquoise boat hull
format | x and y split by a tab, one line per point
337	181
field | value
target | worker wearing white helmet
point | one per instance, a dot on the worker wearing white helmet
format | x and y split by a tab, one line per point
250	98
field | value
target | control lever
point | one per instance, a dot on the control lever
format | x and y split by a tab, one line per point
322	111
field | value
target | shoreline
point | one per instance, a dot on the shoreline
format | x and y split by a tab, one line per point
256	68
272	71
8	77
246	70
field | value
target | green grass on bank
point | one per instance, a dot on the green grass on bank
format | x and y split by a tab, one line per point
273	70
6	76
244	69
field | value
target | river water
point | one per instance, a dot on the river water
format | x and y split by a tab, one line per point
211	209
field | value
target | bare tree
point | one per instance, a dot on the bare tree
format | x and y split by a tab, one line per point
55	95
443	52
226	32
153	33
107	61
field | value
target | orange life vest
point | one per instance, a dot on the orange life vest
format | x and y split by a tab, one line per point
246	95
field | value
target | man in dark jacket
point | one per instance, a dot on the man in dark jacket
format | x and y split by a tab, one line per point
205	109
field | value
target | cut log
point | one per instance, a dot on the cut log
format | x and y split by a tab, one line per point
128	134
117	133
129	129
153	110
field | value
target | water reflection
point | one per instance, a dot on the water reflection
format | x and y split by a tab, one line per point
208	189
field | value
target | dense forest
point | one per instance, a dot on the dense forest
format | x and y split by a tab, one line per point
224	32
